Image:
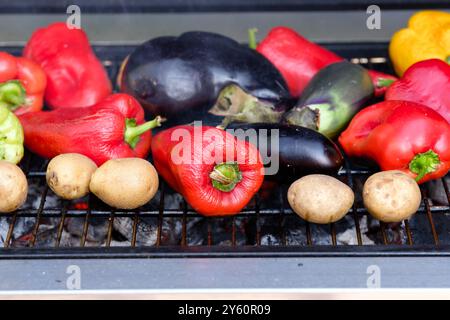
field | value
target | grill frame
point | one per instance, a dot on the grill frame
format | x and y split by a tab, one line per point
364	53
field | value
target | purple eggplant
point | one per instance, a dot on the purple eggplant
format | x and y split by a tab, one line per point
197	72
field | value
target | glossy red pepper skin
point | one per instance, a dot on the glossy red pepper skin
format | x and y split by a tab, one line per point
192	179
394	132
31	77
426	82
76	78
299	59
97	132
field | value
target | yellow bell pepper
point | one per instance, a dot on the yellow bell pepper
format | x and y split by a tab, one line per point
427	37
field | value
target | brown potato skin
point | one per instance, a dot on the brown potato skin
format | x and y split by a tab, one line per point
13	187
391	196
320	198
126	183
69	175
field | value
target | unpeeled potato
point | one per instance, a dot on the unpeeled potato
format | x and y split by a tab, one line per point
69	175
126	183
13	187
320	198
391	196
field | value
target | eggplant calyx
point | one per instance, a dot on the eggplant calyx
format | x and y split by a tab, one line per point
235	104
225	176
304	117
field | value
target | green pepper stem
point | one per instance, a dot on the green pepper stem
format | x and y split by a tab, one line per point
225	176
252	38
383	82
134	131
12	94
448	59
424	163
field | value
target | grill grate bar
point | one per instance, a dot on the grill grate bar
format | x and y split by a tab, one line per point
308	234
233	231
61	225
408	233
86	223
110	229
135	229
160	216
383	233
354	208
333	234
258	220
430	217
38	216
10	230
184	227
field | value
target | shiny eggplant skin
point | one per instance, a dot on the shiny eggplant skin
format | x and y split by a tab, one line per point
182	76
332	98
302	151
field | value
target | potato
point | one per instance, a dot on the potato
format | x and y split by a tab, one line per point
391	196
69	175
13	187
125	183
319	198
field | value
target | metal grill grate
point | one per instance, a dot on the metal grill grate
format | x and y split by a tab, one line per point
47	226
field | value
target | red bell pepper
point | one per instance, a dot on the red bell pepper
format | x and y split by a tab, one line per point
426	82
215	172
401	135
113	128
299	59
22	84
76	78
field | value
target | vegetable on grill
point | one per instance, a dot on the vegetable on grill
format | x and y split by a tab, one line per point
22	84
299	59
69	175
300	151
320	198
184	77
113	128
76	78
11	137
391	196
13	187
426	82
216	173
426	37
331	99
126	183
401	135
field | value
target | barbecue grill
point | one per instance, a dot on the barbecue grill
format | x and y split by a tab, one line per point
169	246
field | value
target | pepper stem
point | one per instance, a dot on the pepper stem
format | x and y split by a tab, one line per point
424	163
252	38
225	176
133	131
383	82
12	94
448	59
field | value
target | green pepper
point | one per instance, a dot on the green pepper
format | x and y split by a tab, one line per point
11	136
